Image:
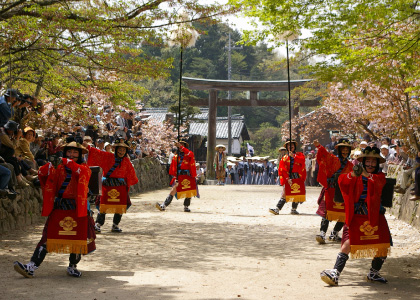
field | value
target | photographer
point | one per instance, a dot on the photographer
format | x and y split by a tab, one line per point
6	110
27	106
9	136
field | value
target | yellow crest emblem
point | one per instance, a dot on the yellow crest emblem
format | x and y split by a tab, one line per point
186	184
369	231
68	223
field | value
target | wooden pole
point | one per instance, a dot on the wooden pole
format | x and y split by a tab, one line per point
179	111
211	134
290	97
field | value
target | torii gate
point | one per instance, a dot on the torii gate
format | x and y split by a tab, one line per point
235	85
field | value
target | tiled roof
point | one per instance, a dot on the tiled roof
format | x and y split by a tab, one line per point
159	114
238	128
199	124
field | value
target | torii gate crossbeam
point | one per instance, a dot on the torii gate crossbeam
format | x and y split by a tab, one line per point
213	85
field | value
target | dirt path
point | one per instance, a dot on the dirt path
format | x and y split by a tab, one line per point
228	247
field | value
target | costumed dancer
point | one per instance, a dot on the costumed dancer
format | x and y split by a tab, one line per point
220	164
366	233
330	166
292	174
69	227
118	176
183	182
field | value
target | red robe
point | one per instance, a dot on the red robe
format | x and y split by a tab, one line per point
188	163
369	235
187	187
298	167
106	160
328	165
51	180
352	188
295	192
66	231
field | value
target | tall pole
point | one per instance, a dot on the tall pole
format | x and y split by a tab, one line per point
179	110
230	48
290	98
179	96
229	97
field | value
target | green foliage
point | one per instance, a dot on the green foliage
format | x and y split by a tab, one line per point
387	28
266	140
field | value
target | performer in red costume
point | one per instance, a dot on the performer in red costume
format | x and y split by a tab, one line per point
119	175
366	232
292	174
183	182
69	227
330	166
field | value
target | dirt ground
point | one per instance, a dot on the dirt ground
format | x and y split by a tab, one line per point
228	247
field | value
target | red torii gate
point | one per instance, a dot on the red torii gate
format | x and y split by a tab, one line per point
214	85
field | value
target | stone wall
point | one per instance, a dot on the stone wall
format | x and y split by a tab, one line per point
404	209
151	174
26	208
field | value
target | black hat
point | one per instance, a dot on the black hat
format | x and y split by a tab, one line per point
11	93
373	152
343	143
288	142
12	126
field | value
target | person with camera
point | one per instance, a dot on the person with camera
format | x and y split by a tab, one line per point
183	172
69	227
6	101
330	167
366	231
9	138
119	175
28	106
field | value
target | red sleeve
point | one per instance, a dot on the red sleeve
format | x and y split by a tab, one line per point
349	190
193	169
47	177
172	168
283	170
300	165
82	188
376	183
99	158
130	177
327	163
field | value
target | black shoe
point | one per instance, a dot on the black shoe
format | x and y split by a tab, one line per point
374	276
320	238
330	276
11	194
97	228
115	228
334	237
12	191
274	211
72	271
25	270
294	211
186	209
159	206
